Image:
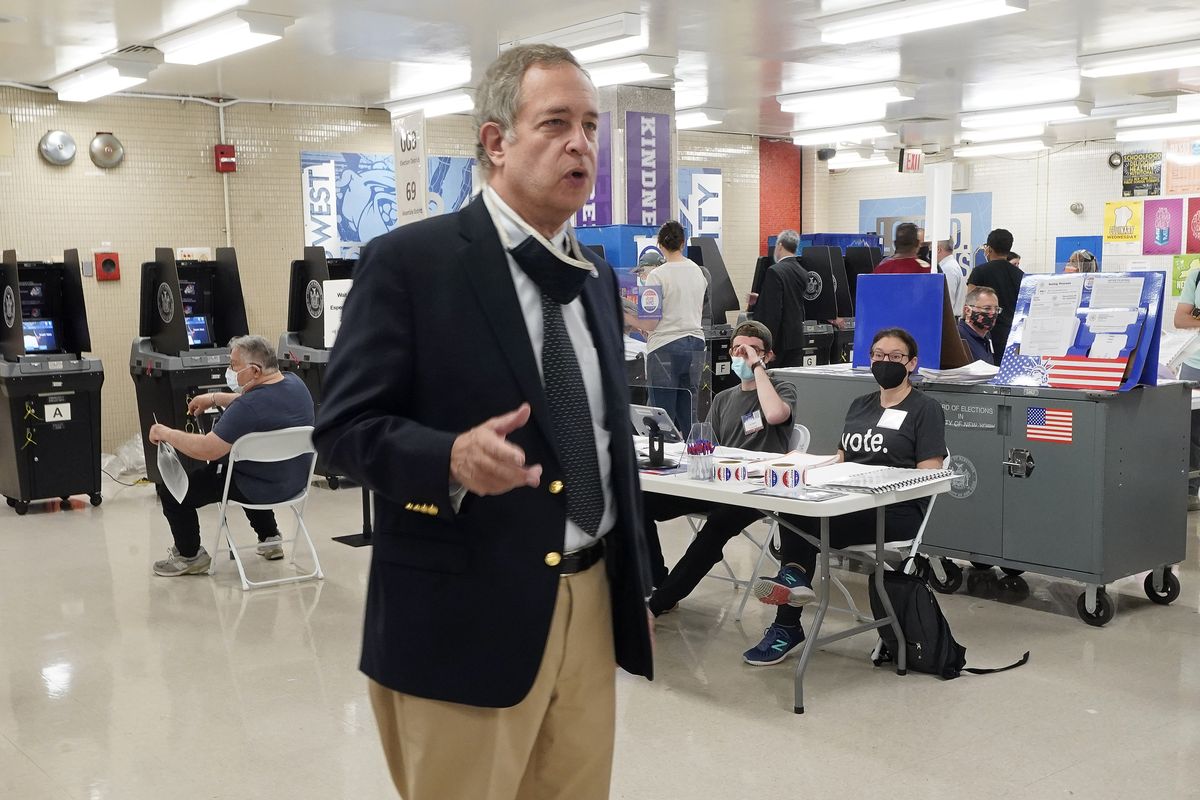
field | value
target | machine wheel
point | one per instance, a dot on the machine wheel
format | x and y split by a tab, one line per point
954	578
1170	591
1012	573
333	481
10	502
1014	586
66	502
21	507
1104	608
96	498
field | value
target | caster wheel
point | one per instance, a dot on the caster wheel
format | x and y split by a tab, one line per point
96	498
21	507
980	565
333	482
1013	587
10	501
773	547
1104	609
954	578
1012	573
1170	592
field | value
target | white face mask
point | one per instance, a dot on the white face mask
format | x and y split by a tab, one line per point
231	379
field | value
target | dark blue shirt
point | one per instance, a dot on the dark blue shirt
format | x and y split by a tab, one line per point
269	407
980	346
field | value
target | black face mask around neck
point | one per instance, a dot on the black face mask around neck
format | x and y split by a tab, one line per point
554	274
888	374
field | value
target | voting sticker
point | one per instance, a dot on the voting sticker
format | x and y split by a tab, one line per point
892	419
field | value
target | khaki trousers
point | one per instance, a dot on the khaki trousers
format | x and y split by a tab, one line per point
556	744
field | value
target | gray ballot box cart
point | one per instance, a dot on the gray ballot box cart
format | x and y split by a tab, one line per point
1103	500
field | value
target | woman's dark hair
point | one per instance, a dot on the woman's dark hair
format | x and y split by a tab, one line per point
670	236
898	333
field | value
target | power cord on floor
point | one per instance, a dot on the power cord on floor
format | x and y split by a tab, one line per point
115	479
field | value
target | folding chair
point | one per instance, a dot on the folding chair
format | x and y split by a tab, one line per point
799	443
267	447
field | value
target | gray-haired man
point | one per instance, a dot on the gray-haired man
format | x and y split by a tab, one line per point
780	304
261	398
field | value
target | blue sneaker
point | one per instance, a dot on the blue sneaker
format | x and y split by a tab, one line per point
777	642
791	587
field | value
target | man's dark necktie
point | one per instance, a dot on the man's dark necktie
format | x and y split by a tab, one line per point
570	415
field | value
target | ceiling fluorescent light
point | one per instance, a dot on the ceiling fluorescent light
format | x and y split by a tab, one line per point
222	36
1176	55
1164	107
108	76
455	101
858	133
690	118
1001	134
875	93
856	161
1159	132
1001	148
1159	120
631	70
594	40
1050	112
900	17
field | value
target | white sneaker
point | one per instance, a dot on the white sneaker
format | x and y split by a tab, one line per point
271	548
175	565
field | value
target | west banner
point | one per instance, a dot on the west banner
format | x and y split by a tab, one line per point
348	199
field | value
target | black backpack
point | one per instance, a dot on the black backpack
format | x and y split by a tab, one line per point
929	642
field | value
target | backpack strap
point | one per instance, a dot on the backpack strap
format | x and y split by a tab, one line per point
1019	663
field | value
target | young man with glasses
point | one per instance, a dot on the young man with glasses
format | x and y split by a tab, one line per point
979	316
894	427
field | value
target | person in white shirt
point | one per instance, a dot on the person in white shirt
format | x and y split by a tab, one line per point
956	279
675	349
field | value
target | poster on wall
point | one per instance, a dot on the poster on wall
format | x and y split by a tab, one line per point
648	168
348	199
1123	228
451	183
1141	174
1181	166
1180	266
970	220
1192	226
1162	228
598	208
700	202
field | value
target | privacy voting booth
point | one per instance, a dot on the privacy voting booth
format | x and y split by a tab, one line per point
317	289
49	390
189	310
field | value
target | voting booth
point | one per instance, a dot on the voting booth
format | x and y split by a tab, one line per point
189	311
1072	462
49	390
317	290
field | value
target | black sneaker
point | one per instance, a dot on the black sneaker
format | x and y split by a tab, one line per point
777	642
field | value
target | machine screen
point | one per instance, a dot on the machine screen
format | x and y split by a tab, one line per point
197	331
39	335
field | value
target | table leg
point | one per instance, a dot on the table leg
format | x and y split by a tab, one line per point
901	655
814	632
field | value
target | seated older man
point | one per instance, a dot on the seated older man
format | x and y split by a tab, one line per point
262	399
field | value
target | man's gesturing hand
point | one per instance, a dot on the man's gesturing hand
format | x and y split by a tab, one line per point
484	462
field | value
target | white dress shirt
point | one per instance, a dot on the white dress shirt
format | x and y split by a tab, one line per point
513	230
956	283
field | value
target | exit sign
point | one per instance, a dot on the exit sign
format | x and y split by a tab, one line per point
912	161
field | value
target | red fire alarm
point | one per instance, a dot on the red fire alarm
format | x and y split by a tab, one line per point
108	266
225	157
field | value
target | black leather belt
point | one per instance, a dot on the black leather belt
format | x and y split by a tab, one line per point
581	560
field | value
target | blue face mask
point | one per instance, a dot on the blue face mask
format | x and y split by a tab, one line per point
741	368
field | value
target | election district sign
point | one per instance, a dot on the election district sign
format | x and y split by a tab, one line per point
408	135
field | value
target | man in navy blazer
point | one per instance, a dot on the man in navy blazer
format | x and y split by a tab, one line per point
478	389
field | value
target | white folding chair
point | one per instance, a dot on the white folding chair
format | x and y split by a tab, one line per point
798	442
268	447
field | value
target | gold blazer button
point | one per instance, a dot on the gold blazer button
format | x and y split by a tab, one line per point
556	487
553	559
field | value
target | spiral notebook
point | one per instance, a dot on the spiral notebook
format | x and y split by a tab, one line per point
873	480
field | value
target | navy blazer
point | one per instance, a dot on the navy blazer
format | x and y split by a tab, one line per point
432	343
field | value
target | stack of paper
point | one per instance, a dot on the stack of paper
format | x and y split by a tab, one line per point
975	372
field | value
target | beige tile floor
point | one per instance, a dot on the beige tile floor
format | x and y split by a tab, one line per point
117	684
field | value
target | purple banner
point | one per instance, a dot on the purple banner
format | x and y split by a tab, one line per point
647	168
598	209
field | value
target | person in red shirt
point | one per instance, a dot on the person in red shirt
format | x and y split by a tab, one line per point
904	261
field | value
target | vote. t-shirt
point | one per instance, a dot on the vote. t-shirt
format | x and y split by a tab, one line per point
900	436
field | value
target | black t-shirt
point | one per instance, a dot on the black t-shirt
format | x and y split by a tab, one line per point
900	436
1005	280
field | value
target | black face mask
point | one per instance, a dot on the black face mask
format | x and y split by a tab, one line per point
889	374
982	320
554	275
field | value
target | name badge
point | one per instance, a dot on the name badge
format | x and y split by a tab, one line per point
892	419
752	422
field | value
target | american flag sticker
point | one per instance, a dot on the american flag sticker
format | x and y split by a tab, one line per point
1077	372
1049	425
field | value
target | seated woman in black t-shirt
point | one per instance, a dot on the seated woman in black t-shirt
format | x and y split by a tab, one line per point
894	427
